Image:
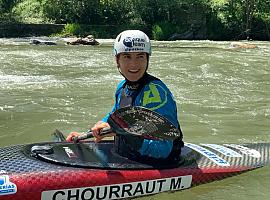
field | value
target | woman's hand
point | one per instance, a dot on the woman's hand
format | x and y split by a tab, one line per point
71	136
98	128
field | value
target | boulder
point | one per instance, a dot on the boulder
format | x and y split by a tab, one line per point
41	42
88	40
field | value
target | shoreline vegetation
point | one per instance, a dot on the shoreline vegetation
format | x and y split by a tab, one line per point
160	19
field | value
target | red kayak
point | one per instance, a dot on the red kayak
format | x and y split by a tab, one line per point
86	171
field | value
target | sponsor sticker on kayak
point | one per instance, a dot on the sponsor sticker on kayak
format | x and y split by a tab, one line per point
69	152
209	154
6	187
245	150
120	191
223	150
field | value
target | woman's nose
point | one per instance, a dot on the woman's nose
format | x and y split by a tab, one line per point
133	62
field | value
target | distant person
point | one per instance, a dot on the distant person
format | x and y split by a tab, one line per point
132	50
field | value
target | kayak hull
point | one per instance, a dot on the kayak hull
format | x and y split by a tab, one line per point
23	176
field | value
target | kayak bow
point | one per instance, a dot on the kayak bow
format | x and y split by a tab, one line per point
59	171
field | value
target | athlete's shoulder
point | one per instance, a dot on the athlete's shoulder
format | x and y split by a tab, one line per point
120	85
157	81
159	85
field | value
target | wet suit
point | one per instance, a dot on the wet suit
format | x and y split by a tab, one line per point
149	92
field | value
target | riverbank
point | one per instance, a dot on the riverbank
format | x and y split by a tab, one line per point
14	30
28	30
103	42
99	31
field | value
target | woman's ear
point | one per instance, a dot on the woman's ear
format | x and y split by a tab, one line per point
117	60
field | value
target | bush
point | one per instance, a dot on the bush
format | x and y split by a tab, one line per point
82	30
30	11
73	30
164	30
157	32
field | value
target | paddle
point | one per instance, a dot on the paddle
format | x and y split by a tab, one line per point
58	136
138	121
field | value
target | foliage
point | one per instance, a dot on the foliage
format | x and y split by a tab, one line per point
82	30
157	32
164	30
7	5
30	11
72	11
222	19
72	29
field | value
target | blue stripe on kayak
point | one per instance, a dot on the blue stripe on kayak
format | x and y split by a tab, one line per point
223	150
208	154
245	150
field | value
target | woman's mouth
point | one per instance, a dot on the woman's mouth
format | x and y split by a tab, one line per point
133	70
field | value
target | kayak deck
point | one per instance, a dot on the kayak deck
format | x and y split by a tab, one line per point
103	170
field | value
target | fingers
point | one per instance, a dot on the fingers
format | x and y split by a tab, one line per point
97	129
71	136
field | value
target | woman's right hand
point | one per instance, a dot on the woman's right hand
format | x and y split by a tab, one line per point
98	128
71	136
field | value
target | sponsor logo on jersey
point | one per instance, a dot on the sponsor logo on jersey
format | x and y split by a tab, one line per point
120	191
223	150
209	154
6	187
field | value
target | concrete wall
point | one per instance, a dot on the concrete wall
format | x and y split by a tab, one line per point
27	30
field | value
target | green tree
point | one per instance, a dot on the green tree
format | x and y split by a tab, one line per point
72	11
237	16
29	11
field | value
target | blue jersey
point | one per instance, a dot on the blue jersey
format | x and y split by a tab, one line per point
155	96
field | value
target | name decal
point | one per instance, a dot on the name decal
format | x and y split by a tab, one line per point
116	191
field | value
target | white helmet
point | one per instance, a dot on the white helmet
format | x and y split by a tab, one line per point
132	41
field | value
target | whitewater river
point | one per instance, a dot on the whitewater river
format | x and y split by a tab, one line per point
222	94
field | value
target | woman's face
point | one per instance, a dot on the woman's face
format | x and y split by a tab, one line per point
132	65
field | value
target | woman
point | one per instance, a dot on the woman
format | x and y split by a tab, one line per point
132	50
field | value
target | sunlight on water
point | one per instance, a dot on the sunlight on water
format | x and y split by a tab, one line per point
15	82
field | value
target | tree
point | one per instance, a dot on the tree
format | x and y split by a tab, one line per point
72	11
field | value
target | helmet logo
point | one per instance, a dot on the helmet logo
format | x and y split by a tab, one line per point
134	42
128	42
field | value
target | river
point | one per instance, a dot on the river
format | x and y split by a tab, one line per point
222	94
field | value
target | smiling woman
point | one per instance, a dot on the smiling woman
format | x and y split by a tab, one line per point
132	51
132	65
